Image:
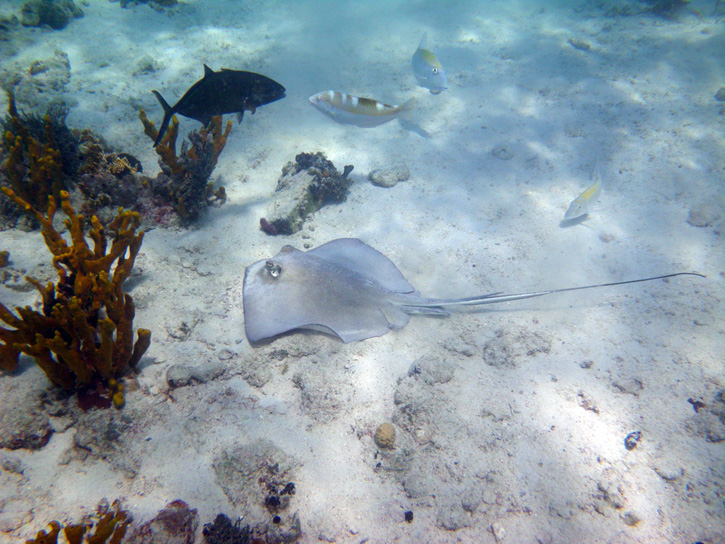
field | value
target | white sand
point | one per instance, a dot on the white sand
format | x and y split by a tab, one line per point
516	440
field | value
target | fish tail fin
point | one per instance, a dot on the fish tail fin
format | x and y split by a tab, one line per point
408	105
168	112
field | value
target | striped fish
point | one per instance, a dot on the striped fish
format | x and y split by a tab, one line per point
353	110
427	70
581	204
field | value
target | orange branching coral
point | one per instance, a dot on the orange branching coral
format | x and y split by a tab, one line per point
108	527
219	139
167	146
85	330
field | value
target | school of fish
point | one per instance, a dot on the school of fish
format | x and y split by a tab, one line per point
235	91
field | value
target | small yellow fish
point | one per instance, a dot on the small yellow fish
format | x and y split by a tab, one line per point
427	70
354	110
581	204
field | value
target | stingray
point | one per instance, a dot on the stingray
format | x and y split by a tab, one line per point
350	290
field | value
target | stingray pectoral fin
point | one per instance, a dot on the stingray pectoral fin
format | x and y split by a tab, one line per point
359	257
364	322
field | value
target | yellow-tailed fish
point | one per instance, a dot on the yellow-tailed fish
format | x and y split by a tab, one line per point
581	204
354	110
427	70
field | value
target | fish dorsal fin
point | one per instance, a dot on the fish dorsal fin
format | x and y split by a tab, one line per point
359	257
207	71
423	41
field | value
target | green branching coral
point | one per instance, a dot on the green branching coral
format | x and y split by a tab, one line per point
84	334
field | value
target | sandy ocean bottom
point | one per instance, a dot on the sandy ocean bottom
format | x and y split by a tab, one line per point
510	422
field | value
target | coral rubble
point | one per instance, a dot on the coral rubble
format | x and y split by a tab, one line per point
28	428
223	531
184	179
305	186
84	334
56	14
176	523
107	180
156	4
39	82
256	479
665	8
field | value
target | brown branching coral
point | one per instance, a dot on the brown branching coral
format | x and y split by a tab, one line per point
184	181
84	333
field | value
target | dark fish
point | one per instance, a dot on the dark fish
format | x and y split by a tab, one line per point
217	93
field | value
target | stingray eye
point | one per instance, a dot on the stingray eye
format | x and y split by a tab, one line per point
435	70
273	269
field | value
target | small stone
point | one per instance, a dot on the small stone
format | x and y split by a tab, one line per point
631	440
502	152
579	44
431	370
460	347
587	403
720	94
631	519
669	472
10	463
453	518
586	364
498	531
422	436
180	375
704	214
389	177
628	385
146	65
28	428
611	494
385	436
12	521
471	498
225	354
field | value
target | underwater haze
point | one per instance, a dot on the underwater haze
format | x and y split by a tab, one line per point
591	416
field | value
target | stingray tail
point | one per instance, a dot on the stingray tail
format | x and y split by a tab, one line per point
428	305
168	112
425	309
